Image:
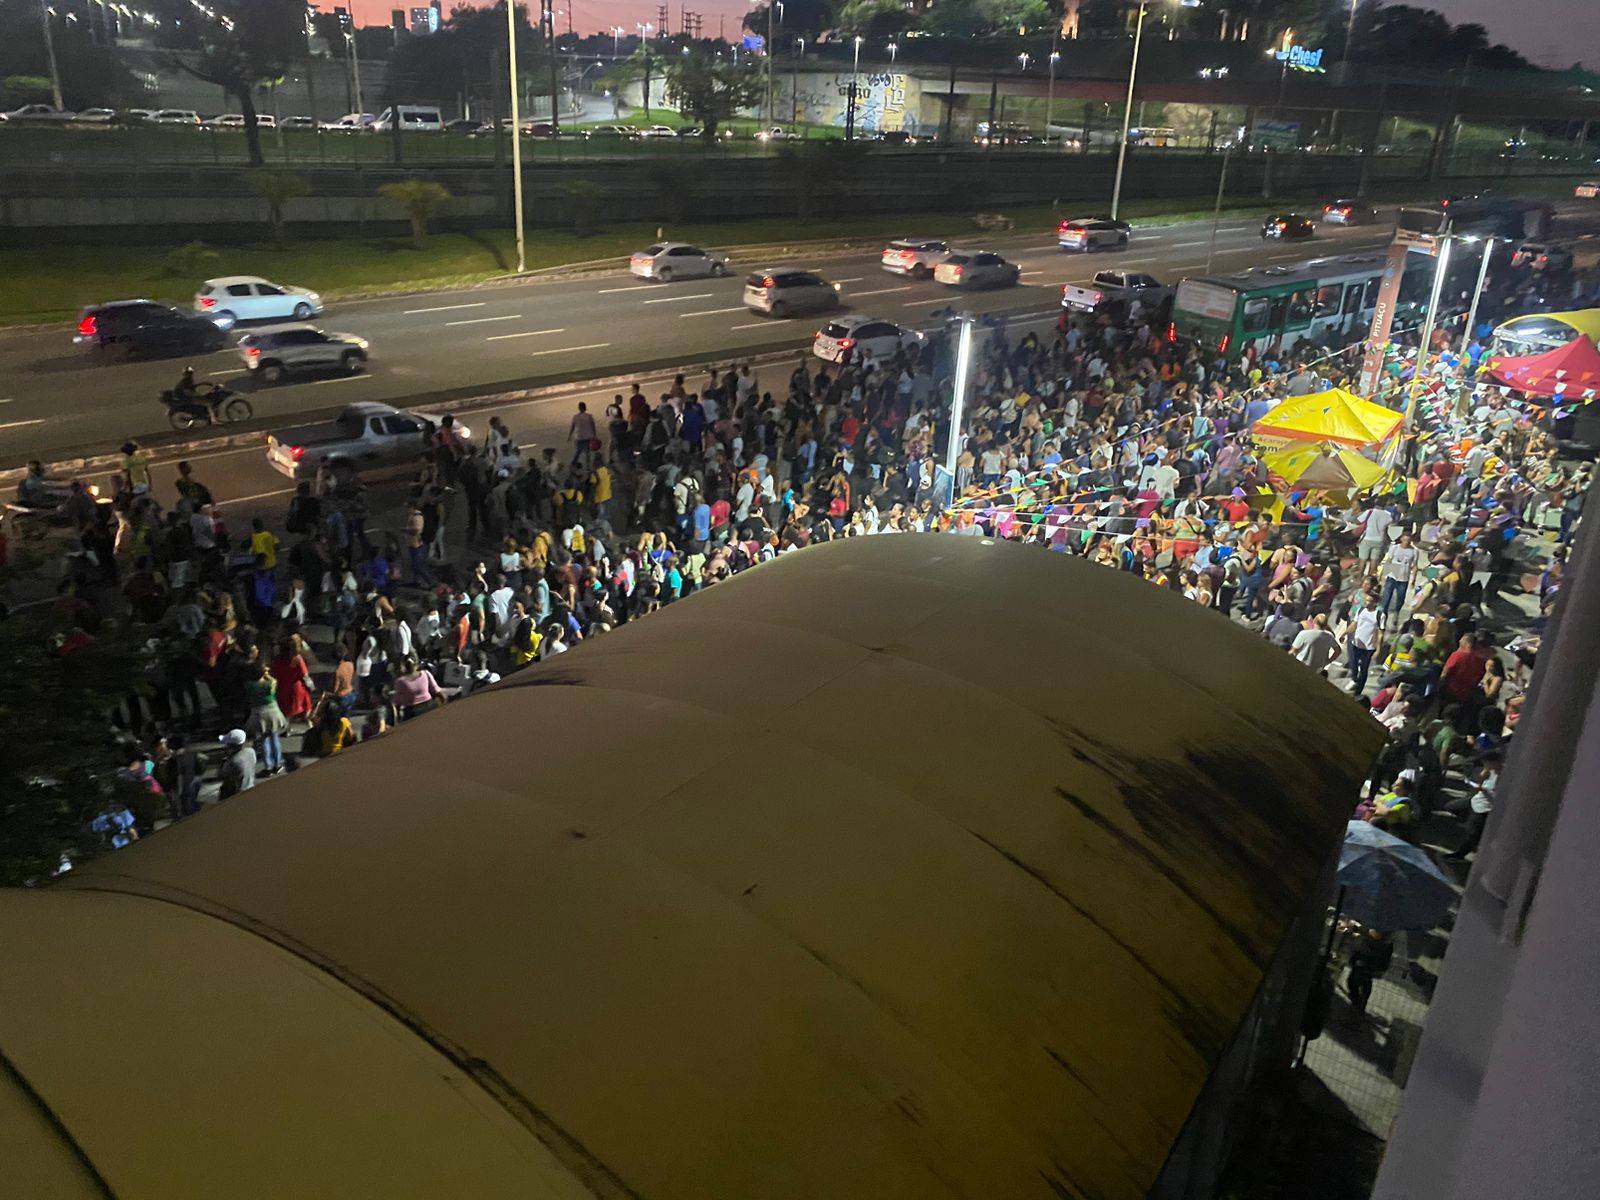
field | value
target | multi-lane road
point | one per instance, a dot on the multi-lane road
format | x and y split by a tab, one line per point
57	402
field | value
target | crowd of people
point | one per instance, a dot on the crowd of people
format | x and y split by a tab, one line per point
1102	439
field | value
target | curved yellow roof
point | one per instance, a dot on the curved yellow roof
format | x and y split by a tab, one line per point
1335	415
908	866
1585	321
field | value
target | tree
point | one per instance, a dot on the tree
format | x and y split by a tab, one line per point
1015	16
244	44
873	19
711	90
56	761
643	64
421	198
277	188
92	75
974	18
798	18
466	54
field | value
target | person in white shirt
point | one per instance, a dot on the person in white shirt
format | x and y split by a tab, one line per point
1399	569
1316	646
1361	638
1374	541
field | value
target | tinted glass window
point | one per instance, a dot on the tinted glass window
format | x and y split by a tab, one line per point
1255	314
1352	297
757	280
986	260
835	330
654	250
958	260
873	329
1328	297
685	252
238	289
1278	310
266	289
1370	300
1300	304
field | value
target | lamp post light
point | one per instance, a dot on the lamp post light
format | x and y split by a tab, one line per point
516	134
616	40
958	399
1421	372
1050	94
1127	110
1024	59
894	51
855	87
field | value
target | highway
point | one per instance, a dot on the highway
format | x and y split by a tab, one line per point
56	401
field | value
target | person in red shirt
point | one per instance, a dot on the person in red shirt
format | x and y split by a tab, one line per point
1463	670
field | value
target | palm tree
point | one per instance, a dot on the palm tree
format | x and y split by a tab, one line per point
277	188
421	198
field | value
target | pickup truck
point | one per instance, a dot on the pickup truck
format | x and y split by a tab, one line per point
363	439
1116	286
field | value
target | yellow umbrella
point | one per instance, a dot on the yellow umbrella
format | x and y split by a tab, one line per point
1324	468
1331	416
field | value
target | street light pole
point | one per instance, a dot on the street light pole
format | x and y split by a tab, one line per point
1216	213
516	133
1127	111
1050	95
855	87
958	399
794	83
50	53
771	112
1477	292
355	74
1421	372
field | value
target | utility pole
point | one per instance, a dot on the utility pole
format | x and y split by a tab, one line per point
547	22
794	83
516	134
1216	213
1442	249
1127	113
355	74
771	114
50	53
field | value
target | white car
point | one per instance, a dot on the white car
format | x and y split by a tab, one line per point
916	257
350	123
667	261
236	121
95	116
1587	190
38	113
775	134
175	116
652	131
977	269
235	298
301	123
855	337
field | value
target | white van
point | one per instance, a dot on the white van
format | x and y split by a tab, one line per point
413	117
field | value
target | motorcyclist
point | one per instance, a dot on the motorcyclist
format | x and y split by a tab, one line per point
187	390
34	489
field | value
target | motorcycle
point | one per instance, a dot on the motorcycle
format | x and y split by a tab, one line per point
207	404
42	504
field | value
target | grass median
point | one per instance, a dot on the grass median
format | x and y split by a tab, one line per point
47	284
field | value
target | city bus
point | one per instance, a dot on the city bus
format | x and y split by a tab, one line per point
1327	300
1482	216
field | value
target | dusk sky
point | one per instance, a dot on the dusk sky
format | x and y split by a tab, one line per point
1551	32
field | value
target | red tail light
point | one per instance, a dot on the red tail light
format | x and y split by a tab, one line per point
87	326
1062	228
959	270
846	343
296	451
1172	331
769	281
1222	346
208	301
254	351
1327	208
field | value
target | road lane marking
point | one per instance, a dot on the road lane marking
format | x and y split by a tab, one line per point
482	320
7	400
711	312
639	287
20	424
928	303
857	279
501	337
882	291
755	325
260	496
415	312
339	379
223	374
680	299
1040	271
1183	245
574	349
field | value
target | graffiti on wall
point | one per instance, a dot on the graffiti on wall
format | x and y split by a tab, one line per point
885	100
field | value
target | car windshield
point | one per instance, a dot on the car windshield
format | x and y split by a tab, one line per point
835	330
654	250
958	259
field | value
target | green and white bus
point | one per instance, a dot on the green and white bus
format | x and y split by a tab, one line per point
1328	300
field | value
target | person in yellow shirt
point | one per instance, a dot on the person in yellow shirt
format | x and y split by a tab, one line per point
135	469
264	543
600	492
